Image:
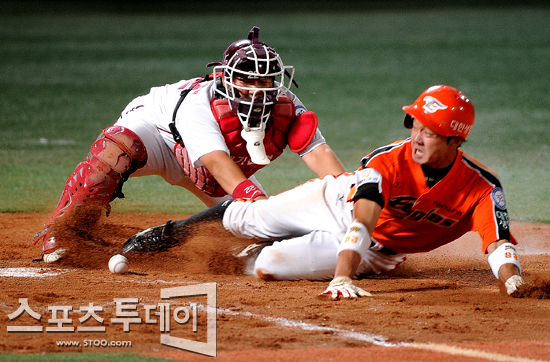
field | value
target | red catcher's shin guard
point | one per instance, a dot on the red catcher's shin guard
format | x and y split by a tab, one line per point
116	154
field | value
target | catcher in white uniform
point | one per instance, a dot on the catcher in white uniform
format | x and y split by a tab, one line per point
411	196
208	135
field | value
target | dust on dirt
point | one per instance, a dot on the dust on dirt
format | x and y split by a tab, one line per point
447	296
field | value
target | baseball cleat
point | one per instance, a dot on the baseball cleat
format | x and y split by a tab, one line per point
51	250
54	256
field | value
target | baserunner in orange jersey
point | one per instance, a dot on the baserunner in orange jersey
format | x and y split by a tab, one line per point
411	196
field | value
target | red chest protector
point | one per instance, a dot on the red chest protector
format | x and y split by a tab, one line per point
275	141
276	135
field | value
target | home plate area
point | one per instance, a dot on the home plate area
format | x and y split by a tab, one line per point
193	301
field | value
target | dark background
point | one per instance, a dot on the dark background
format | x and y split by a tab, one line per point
244	6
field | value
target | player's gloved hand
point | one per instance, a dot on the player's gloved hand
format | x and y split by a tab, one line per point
513	283
343	286
247	190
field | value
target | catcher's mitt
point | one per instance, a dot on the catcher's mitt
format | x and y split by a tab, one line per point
157	238
164	237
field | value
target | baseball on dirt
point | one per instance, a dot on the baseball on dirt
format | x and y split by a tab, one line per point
118	264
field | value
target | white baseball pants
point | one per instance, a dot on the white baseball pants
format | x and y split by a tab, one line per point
310	220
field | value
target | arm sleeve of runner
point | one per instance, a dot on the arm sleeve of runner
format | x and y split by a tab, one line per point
491	220
368	185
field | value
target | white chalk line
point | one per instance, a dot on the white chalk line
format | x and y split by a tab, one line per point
365	337
534	252
32	272
467	352
379	340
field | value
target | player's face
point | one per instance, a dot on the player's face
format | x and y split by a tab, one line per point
430	148
252	85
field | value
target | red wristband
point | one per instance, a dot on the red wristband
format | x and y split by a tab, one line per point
246	190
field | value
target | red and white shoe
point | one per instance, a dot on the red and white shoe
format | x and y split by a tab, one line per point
51	250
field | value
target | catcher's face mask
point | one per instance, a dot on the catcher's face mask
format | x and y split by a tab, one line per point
253	77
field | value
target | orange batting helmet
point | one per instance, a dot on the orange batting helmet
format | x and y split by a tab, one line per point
443	109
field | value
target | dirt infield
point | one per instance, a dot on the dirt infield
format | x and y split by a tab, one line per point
441	306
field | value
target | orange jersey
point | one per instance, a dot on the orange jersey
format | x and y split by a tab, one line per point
416	218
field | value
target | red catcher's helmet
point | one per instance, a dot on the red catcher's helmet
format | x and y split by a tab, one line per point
443	109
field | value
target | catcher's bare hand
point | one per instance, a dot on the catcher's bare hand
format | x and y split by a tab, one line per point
343	286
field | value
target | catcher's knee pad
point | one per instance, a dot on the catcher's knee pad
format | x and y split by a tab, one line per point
121	149
116	154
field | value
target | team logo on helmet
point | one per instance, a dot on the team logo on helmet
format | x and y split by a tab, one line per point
432	104
444	109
